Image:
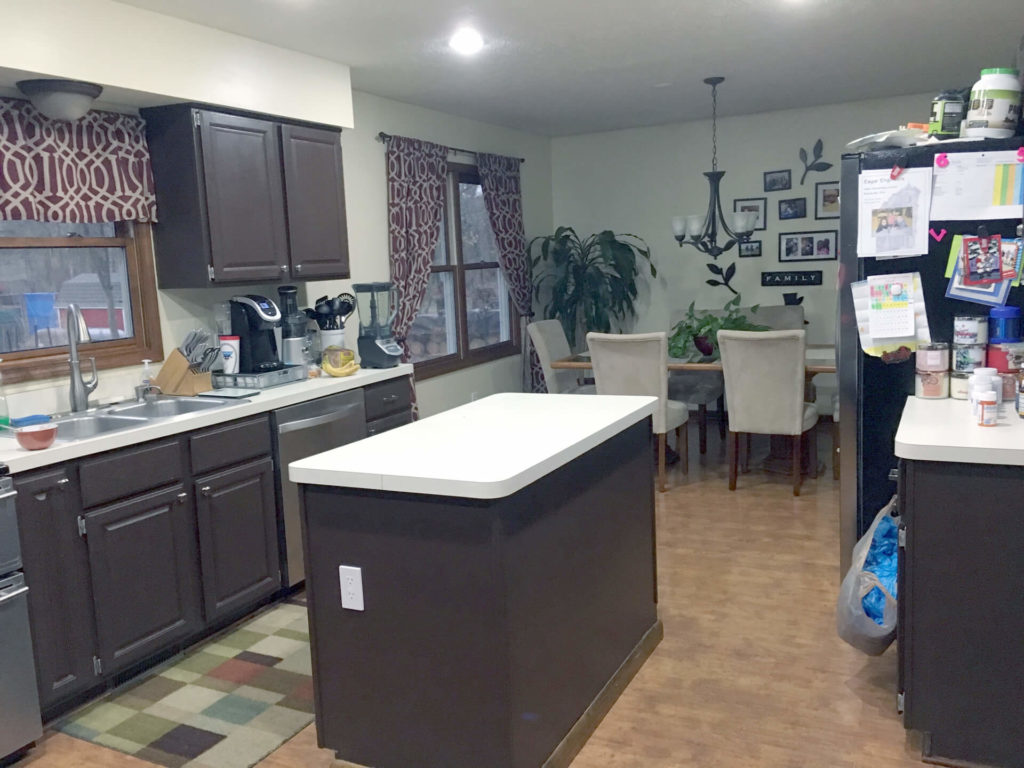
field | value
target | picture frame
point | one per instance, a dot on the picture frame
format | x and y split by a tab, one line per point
778	181
750	249
793	208
757	204
809	246
826	200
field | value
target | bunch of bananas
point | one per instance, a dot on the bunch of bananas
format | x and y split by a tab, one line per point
347	369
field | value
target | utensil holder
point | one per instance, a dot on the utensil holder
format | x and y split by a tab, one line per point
176	378
332	338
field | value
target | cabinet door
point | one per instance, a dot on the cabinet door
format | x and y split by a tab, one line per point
144	575
244	197
56	567
315	195
238	537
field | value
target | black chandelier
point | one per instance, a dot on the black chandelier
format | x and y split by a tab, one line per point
702	231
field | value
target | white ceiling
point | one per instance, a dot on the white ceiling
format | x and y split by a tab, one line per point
560	67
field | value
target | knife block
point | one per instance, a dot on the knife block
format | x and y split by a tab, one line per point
175	378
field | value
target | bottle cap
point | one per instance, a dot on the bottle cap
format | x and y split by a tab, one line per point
987	397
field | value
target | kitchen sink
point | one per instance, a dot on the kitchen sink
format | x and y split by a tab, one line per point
165	407
91	425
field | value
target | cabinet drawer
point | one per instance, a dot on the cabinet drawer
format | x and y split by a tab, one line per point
377	426
387	397
120	474
229	444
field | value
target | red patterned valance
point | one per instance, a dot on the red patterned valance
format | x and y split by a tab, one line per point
90	170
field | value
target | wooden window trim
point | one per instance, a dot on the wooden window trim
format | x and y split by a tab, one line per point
465	357
51	363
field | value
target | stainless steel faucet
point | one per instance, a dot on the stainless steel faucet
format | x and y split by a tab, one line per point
78	332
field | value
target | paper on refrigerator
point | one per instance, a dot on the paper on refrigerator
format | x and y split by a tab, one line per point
893	216
978	185
891	348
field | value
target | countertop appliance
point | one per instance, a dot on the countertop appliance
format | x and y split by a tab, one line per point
378	305
872	393
304	430
253	321
293	326
20	721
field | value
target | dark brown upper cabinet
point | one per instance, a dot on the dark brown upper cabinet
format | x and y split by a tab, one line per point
245	198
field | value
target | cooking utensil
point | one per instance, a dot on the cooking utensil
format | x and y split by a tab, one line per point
347	305
209	358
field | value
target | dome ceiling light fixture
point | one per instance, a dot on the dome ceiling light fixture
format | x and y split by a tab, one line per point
466	41
65	100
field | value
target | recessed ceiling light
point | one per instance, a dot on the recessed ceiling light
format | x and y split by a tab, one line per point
466	41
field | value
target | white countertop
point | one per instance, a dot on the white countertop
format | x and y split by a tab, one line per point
20	460
486	449
943	430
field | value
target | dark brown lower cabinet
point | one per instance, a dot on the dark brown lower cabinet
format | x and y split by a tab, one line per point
57	575
237	537
142	557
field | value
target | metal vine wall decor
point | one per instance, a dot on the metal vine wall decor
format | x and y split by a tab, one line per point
725	274
816	163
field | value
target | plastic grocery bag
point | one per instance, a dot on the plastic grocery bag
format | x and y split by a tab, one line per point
866	608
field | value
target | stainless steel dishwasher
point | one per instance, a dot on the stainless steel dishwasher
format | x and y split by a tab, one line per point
304	430
20	722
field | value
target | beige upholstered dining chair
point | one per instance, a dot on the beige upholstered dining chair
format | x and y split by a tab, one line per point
636	364
549	340
764	384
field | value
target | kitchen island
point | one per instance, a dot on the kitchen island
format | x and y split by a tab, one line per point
961	490
506	589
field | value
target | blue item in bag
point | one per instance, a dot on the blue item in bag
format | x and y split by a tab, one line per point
882	560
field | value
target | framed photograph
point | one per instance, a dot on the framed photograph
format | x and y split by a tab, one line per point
777	181
750	249
756	204
795	208
809	246
826	200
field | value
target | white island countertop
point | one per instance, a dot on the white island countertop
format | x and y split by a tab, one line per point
20	460
486	449
943	430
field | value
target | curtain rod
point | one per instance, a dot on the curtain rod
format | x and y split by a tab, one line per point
384	138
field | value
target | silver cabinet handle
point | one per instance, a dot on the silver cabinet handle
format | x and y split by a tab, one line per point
205	490
284	267
63	483
389	398
298	267
11	595
182	497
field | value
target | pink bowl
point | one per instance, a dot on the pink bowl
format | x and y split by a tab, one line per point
36	437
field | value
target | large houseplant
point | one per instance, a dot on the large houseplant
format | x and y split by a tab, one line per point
591	280
696	335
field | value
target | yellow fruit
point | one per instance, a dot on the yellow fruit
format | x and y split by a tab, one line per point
343	370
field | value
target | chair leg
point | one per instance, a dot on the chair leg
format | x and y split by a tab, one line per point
835	450
797	476
702	427
721	417
745	457
812	452
683	445
733	450
661	462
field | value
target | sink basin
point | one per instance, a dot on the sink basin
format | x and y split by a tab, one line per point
165	407
91	425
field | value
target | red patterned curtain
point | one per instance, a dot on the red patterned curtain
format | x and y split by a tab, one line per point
499	177
91	170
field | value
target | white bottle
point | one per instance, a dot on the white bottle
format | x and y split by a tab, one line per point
994	110
988	411
147	374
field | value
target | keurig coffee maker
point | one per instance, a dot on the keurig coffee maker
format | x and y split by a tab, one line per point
253	320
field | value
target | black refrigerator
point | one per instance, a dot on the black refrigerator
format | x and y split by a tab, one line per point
872	393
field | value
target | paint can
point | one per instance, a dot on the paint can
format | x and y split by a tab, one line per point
931	385
967	357
958	385
970	329
933	357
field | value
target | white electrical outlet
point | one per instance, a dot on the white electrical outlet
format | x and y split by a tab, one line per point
351	579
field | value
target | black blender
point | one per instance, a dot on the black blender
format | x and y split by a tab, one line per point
378	304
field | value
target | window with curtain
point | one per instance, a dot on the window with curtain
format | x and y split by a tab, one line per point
76	200
466	316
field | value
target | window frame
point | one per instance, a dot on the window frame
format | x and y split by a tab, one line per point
464	357
52	362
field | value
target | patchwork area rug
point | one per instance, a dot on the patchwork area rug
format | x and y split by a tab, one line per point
227	704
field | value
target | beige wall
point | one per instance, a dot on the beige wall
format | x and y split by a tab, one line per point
636	180
137	54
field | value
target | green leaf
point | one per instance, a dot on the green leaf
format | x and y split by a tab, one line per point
819	147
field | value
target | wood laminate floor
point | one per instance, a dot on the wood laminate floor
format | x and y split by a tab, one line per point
750	672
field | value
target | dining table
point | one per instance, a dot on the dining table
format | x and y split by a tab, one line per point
820	358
